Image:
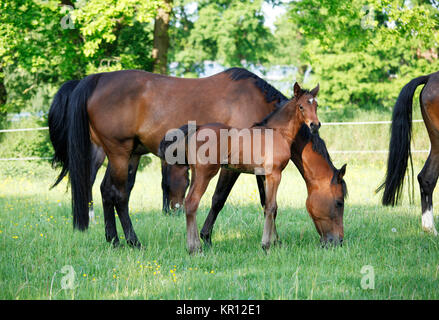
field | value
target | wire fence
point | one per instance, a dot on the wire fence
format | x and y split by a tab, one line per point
323	124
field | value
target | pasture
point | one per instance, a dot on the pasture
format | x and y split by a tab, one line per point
37	241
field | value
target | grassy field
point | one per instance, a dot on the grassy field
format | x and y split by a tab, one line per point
37	241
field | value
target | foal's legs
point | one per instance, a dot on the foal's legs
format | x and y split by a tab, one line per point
270	211
224	185
427	179
200	180
261	187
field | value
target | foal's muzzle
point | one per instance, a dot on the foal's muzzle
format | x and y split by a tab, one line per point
315	127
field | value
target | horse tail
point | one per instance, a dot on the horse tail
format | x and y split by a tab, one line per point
79	150
58	128
177	139
399	146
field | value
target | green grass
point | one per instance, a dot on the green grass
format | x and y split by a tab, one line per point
37	241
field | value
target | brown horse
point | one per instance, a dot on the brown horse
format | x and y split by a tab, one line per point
325	185
399	147
241	97
281	126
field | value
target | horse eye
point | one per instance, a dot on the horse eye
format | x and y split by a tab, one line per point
339	204
300	107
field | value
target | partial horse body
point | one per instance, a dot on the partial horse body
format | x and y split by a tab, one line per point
400	151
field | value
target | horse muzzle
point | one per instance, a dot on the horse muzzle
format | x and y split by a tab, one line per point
314	127
331	240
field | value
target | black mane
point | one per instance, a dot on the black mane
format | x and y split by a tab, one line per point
270	92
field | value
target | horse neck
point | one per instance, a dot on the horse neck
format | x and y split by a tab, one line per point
286	122
316	169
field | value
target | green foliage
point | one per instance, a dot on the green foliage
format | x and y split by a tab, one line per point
26	143
231	33
44	43
362	53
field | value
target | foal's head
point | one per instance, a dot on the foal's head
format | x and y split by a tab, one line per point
307	106
325	205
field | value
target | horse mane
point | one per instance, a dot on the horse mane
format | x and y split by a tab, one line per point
270	93
319	146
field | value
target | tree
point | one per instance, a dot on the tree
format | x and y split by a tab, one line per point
363	52
45	42
231	33
161	38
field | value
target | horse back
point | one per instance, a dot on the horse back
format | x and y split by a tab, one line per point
134	104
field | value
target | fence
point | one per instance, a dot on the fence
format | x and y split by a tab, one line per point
323	124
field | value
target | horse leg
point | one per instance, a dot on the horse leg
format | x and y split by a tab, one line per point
97	158
225	183
427	179
108	207
119	180
199	183
133	165
261	187
165	187
271	186
108	202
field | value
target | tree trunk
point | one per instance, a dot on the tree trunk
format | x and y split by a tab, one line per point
161	38
3	99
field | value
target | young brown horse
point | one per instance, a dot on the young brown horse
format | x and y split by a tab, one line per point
399	148
282	126
325	185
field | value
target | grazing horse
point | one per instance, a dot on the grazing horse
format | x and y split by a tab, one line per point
280	127
399	147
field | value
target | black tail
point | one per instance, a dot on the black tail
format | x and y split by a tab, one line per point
79	150
399	147
58	128
165	143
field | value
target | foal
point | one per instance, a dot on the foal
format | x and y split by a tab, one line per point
282	125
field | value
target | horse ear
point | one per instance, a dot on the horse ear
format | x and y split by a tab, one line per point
315	91
297	90
342	172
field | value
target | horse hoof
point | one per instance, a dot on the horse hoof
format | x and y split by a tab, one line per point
206	239
134	244
265	247
195	250
114	241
